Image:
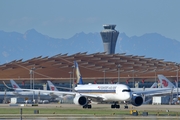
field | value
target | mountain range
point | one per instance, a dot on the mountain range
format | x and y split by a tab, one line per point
15	46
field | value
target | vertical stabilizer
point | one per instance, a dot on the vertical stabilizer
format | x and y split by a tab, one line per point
165	83
15	86
78	74
51	86
155	85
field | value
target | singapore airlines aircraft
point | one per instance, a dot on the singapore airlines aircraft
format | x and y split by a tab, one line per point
111	89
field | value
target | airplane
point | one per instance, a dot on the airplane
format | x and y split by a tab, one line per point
59	97
165	83
29	95
109	90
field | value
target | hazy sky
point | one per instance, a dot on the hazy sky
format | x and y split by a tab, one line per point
64	18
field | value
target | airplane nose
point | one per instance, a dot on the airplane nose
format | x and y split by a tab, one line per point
128	96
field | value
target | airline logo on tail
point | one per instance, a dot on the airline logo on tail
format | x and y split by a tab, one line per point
79	77
52	88
14	86
164	83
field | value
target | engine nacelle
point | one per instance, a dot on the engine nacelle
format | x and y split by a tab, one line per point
136	100
80	100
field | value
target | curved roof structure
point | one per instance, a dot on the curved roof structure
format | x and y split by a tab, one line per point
92	67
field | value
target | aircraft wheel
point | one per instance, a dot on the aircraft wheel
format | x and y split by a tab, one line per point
89	106
112	106
125	107
85	106
118	106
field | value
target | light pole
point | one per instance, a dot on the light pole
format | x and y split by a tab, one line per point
155	75
32	80
73	78
177	79
133	80
104	75
70	81
118	73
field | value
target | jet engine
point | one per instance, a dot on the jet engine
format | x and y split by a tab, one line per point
80	100
136	100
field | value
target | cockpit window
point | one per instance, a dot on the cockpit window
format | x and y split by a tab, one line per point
126	90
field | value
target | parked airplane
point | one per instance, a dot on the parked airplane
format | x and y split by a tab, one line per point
29	95
165	83
59	97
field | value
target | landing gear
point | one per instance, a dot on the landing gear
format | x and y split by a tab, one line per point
87	106
126	106
115	105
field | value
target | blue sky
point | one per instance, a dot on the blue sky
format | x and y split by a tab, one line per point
64	18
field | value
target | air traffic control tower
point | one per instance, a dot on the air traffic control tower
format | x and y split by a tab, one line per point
109	36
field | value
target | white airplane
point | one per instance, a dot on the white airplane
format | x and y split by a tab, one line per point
109	92
58	96
165	83
29	94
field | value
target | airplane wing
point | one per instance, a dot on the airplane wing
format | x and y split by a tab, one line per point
160	91
93	96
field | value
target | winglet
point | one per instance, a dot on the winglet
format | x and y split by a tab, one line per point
78	74
154	85
6	85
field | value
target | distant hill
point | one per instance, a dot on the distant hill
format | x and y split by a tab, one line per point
15	46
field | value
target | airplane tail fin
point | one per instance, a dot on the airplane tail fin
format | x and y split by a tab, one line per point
78	74
155	85
165	83
51	86
14	84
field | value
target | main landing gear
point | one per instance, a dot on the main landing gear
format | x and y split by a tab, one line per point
115	105
87	106
126	106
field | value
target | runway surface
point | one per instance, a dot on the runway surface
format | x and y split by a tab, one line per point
147	108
